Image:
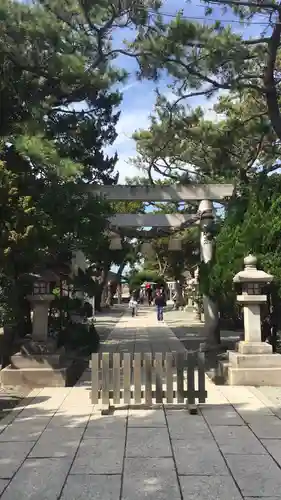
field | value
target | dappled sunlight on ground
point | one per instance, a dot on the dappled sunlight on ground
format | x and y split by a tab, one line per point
55	445
58	446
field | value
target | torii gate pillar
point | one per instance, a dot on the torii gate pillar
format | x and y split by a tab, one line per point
211	315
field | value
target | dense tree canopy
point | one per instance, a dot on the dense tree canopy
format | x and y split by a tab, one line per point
239	147
58	111
138	278
204	58
59	106
191	148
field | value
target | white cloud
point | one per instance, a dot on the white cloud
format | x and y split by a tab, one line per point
208	107
124	168
124	144
130	85
130	122
211	115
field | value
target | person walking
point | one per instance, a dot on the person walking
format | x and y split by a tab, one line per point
149	295
163	291
160	303
133	305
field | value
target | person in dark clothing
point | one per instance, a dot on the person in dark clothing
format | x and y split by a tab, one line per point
160	303
163	292
149	295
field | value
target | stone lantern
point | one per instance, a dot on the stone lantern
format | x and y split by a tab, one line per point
252	280
40	300
253	362
115	242
174	244
147	249
39	363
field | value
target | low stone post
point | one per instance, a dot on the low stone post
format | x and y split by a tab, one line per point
253	362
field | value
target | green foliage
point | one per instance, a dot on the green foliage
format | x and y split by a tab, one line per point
81	337
58	112
182	146
241	148
54	111
252	225
205	58
138	278
172	264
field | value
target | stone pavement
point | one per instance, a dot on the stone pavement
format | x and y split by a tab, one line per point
107	319
58	447
142	333
191	332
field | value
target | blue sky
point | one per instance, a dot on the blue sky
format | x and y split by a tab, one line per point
139	97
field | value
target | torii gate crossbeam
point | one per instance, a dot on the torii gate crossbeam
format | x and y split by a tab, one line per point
150	220
172	192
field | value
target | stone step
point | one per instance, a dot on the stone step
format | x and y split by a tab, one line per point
254	376
238	360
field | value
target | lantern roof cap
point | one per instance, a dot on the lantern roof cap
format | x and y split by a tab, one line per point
251	274
46	275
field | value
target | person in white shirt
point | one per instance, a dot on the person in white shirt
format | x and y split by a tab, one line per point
134	306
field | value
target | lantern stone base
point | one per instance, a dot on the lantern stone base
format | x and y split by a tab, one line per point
243	347
256	377
36	377
254	364
39	365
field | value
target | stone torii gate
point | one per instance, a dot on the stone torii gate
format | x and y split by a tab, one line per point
206	194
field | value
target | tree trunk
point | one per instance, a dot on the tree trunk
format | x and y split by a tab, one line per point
119	293
271	92
99	294
21	309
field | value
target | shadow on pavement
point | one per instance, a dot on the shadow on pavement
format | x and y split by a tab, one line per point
60	447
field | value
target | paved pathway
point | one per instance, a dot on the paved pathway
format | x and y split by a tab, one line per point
191	332
142	333
57	446
107	319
